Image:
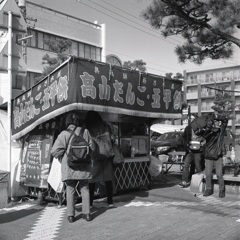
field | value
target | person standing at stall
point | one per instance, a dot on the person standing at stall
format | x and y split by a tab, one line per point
194	146
72	175
102	169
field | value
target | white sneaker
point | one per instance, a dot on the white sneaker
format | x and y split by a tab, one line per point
110	205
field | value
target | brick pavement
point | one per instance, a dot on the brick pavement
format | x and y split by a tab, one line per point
166	212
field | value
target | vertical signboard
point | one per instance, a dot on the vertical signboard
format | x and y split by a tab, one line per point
36	155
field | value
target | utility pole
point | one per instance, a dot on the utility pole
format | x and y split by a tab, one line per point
9	131
12	64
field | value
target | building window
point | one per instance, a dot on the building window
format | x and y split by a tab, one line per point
31	79
74	48
193	79
236	74
209	77
98	54
40	40
45	37
33	39
87	51
77	49
218	77
81	50
17	82
226	76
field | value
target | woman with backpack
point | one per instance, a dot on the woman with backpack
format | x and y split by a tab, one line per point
73	175
102	169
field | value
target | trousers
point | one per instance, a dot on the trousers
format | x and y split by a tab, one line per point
83	185
218	164
109	191
191	157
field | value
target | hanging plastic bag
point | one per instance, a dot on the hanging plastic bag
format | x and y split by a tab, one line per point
118	156
55	176
155	166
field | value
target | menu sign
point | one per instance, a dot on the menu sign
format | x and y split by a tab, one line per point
36	155
87	85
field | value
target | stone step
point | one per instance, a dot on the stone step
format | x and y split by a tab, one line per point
232	184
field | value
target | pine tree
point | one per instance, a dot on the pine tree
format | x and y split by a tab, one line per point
208	27
135	65
59	46
223	103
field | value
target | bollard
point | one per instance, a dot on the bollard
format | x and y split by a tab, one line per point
233	155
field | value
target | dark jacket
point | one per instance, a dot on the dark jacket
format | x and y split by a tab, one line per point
215	146
59	150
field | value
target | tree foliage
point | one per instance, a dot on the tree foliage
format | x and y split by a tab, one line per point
58	46
223	103
177	76
208	26
135	65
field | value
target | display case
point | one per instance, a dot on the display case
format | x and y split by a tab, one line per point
134	140
135	145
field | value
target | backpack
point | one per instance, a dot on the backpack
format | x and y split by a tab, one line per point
103	146
78	150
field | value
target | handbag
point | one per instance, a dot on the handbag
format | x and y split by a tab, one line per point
55	176
194	145
118	156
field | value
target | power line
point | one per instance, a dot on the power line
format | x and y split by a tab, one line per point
146	62
111	50
224	90
47	12
130	15
127	23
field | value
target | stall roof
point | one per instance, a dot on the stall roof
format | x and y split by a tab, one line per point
82	84
163	128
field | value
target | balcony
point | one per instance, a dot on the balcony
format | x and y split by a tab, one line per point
194	109
192	95
208	94
237	93
206	108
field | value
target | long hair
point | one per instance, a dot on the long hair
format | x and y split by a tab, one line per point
92	117
72	118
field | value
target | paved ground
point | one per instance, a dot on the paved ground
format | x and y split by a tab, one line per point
166	212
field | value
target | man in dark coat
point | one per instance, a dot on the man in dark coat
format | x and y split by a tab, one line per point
215	149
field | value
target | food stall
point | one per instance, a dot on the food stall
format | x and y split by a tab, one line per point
129	101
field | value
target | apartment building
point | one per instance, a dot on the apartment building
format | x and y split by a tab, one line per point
88	40
201	98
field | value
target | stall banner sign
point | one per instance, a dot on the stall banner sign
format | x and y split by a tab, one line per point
36	155
79	84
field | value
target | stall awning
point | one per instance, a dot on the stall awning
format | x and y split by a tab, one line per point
3	106
163	128
80	84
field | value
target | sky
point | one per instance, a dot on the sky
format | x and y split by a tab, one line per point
130	37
